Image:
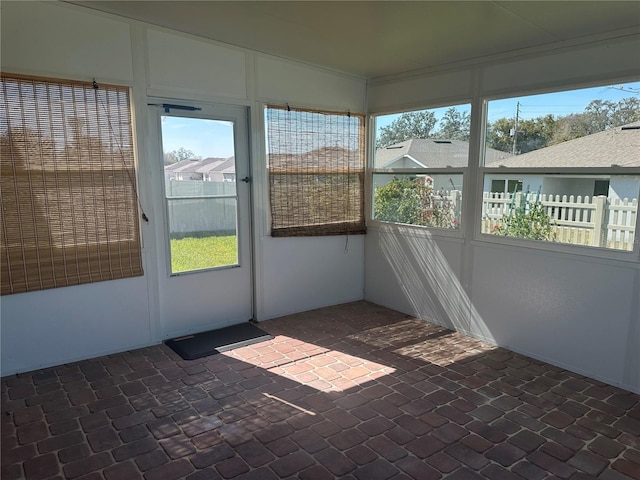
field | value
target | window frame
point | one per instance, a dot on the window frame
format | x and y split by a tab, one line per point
458	233
594	252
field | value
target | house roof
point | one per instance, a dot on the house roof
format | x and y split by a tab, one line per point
207	165
619	146
431	153
324	158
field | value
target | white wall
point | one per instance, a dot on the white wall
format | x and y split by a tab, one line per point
55	326
576	309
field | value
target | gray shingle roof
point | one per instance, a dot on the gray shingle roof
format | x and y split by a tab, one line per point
431	153
617	146
211	164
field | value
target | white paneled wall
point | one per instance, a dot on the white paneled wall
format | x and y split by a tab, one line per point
579	312
45	39
187	65
51	327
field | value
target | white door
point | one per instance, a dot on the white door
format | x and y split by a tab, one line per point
206	253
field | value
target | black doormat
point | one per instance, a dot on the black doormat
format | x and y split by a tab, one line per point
203	344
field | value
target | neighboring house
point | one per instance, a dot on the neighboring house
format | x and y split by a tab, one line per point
208	170
429	153
619	146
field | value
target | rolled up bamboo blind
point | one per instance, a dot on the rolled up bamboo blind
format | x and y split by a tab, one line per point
69	204
316	172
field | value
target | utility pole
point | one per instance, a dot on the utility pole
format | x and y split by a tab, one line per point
515	128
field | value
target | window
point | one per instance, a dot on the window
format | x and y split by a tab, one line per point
69	205
201	193
601	187
315	163
502	186
419	166
575	154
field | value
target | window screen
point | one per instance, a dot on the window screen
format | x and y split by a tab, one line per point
316	172
69	204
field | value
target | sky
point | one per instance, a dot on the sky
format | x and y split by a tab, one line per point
206	138
558	104
213	138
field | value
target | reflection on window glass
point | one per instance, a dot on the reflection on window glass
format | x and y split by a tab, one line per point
200	191
425	142
597	129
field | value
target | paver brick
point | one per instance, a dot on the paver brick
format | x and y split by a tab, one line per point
41	467
589	462
627	468
467	456
387	448
443	462
550	464
417	469
170	471
74	452
151	459
232	467
425	446
334	461
450	432
558	419
211	456
309	440
505	454
528	470
103	439
87	465
60	441
133	449
254	453
379	469
496	472
606	447
527	440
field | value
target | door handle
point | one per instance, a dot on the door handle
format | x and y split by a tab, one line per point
246	180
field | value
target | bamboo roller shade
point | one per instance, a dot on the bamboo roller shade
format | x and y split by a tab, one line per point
316	172
69	204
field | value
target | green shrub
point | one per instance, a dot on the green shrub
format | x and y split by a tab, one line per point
413	201
526	218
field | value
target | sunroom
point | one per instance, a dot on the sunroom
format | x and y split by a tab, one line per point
257	162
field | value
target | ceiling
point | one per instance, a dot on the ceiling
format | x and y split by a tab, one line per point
373	39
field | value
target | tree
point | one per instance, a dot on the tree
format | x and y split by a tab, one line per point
454	125
407	126
499	135
532	134
179	155
571	126
627	111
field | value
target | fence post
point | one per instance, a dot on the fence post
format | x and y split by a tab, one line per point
600	221
457	195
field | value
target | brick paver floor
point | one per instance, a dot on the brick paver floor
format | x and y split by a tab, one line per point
351	391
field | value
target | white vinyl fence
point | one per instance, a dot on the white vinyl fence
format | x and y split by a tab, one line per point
196	206
596	221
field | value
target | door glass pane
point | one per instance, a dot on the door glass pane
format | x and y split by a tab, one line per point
200	190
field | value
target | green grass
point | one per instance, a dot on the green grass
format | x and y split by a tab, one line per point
196	253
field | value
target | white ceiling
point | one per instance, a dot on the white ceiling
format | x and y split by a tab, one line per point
378	38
